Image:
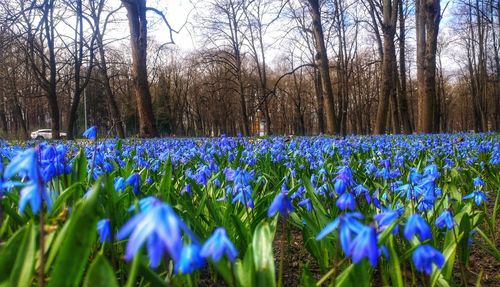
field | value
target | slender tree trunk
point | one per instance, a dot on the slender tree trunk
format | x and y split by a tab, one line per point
319	101
402	95
110	97
78	58
52	83
136	13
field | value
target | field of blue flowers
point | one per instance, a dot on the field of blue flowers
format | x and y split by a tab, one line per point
369	211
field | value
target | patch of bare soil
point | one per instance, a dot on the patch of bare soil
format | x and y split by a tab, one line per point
484	267
296	257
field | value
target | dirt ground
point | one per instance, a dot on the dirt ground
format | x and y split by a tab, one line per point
296	257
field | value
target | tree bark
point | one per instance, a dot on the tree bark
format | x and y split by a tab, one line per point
322	63
136	13
78	58
388	91
428	18
402	95
52	85
319	101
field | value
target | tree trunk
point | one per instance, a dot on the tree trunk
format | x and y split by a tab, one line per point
78	58
322	63
402	95
388	91
52	83
319	102
428	18
113	106
136	13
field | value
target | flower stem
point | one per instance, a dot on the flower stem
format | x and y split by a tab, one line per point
235	283
461	264
41	271
283	249
131	281
331	272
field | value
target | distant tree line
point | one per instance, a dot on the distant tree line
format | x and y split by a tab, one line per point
281	66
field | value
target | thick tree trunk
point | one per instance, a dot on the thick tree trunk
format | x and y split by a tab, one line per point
322	63
428	18
388	91
136	13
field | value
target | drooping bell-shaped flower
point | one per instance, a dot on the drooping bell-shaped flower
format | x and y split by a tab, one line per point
425	256
160	229
445	220
281	203
91	133
103	228
134	180
218	245
417	225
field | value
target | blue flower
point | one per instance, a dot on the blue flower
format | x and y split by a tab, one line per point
119	183
31	194
145	203
280	203
34	191
425	256
349	227
364	245
307	204
445	219
417	225
242	194
90	133
478	182
477	195
191	259
23	164
103	228
339	186
217	245
385	219
160	228
346	201
134	180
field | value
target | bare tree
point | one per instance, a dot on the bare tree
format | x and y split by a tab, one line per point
96	13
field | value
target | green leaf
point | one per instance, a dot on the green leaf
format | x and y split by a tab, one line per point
263	255
63	197
54	248
395	266
22	272
307	278
166	181
9	251
150	276
77	244
449	259
79	168
491	248
244	269
343	279
100	274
